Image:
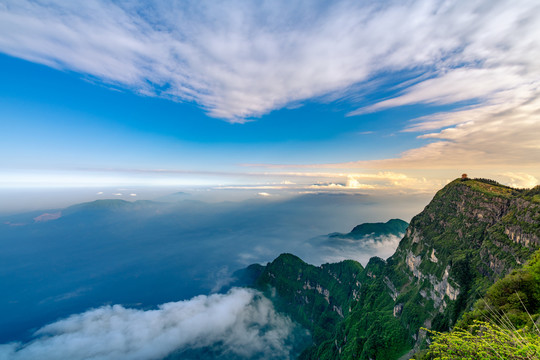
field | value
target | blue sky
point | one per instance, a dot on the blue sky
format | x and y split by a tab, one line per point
342	96
80	116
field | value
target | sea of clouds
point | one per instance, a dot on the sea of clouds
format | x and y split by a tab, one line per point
148	254
239	324
324	249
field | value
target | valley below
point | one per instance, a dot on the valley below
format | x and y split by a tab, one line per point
372	293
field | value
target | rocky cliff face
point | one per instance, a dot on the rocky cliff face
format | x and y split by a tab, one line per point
317	297
471	234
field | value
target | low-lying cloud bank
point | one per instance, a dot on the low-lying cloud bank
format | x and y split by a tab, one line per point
239	324
324	249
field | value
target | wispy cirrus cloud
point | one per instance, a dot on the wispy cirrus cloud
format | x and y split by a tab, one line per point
498	136
240	59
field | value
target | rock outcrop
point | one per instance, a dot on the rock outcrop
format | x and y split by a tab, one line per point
472	233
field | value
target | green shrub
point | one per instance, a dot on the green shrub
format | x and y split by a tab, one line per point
483	340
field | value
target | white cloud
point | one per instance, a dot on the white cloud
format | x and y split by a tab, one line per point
263	194
520	180
353	183
242	321
331	250
287	182
501	136
382	181
239	59
252	187
327	186
456	85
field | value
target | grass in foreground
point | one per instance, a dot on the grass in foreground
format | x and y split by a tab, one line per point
483	340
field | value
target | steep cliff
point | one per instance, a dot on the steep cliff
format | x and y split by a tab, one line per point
504	324
472	233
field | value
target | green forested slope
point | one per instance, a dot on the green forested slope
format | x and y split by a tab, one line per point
503	324
471	234
395	227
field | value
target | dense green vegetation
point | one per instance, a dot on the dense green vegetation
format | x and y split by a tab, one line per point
532	194
395	227
514	299
503	324
482	341
317	297
472	234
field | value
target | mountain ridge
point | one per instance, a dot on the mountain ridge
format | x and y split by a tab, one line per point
473	232
374	230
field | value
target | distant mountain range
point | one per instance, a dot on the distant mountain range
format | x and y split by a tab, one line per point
470	236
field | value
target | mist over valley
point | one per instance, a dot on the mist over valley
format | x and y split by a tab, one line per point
140	254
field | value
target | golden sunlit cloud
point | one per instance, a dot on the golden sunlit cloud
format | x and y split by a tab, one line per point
520	180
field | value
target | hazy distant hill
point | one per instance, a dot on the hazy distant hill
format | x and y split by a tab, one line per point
394	227
57	262
472	233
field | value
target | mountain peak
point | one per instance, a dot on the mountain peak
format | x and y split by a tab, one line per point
392	226
395	227
487	186
472	233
